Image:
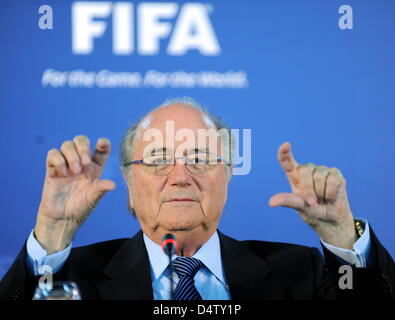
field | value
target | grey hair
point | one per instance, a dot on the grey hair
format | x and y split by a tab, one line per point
126	148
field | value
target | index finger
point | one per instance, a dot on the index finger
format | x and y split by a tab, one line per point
286	158
102	151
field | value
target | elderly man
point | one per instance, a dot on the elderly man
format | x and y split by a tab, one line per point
180	187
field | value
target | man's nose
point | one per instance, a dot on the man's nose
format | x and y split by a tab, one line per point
180	175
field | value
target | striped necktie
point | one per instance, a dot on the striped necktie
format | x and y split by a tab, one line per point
186	269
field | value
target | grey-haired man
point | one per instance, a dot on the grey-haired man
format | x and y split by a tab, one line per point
180	187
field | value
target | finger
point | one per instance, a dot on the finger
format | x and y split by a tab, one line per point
305	184
334	181
319	176
100	187
56	164
286	158
102	151
70	153
288	200
83	149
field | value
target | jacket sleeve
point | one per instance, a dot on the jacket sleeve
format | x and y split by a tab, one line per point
374	282
19	283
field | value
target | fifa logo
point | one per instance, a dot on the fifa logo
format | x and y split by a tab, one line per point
141	28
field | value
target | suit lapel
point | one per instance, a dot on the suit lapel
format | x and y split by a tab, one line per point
245	271
127	276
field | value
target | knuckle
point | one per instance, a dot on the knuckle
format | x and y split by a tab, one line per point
335	171
74	159
81	136
70	153
318	176
54	157
81	139
332	180
58	161
335	182
67	145
82	148
321	173
323	169
53	152
304	170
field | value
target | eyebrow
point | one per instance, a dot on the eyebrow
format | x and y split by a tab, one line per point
162	150
200	150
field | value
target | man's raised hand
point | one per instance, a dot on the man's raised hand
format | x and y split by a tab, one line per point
319	196
72	189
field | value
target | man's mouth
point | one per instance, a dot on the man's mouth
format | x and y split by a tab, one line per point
181	200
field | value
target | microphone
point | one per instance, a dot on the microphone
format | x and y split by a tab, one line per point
169	246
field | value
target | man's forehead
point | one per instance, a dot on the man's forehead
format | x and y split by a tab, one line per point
206	141
177	129
181	115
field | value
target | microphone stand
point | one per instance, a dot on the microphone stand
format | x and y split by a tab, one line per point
169	245
171	277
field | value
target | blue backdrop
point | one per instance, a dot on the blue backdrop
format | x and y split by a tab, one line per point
295	71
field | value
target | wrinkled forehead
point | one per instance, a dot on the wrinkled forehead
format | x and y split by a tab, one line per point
178	129
183	116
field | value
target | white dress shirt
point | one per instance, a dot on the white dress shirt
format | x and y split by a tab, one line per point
209	280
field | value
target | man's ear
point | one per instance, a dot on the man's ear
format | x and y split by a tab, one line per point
130	201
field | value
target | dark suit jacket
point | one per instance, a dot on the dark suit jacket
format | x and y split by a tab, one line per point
120	269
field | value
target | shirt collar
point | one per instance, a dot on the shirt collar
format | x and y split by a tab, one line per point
209	254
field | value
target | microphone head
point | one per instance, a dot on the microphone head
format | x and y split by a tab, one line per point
169	244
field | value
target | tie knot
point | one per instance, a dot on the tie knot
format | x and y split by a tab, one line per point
186	266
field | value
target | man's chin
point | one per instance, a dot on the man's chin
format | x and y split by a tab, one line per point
180	226
175	224
180	219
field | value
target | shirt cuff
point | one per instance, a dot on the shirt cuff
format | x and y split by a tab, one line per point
37	257
359	256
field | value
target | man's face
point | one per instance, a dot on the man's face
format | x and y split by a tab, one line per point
180	201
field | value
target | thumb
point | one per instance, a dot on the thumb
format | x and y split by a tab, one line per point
100	187
288	200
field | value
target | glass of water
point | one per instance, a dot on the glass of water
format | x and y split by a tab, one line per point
60	290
